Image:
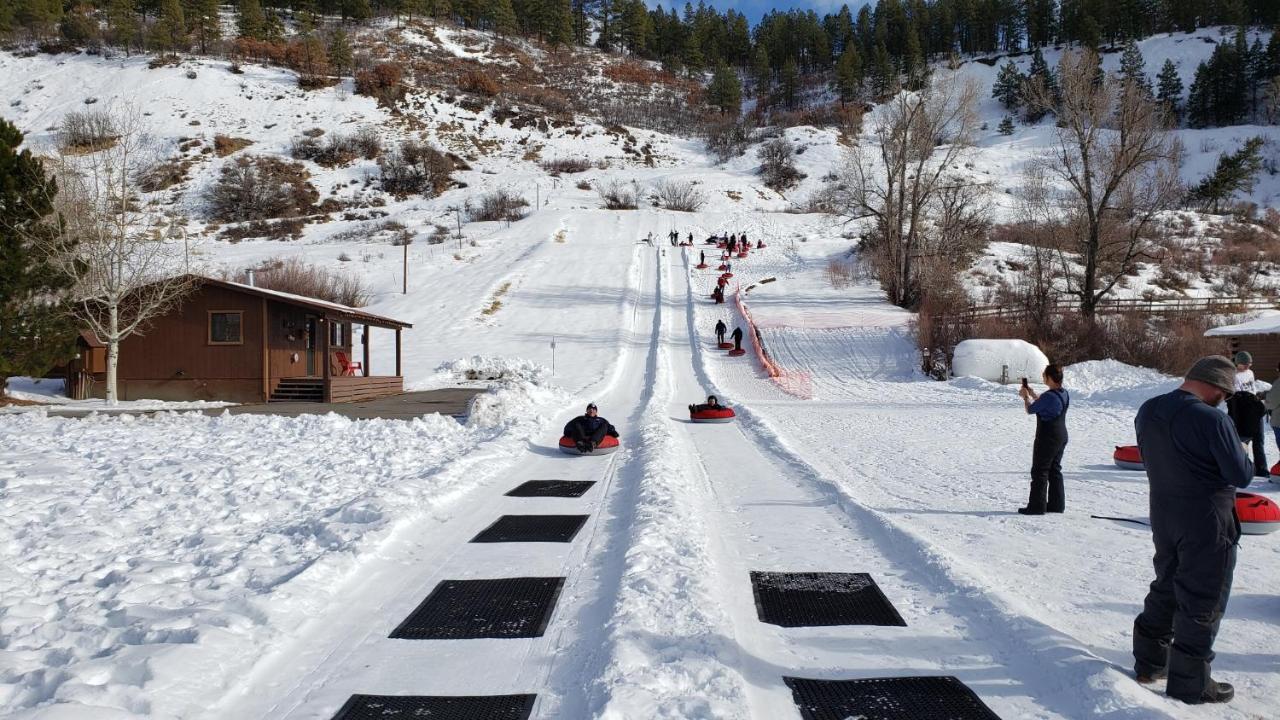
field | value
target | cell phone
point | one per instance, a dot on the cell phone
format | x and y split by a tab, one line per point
1024	383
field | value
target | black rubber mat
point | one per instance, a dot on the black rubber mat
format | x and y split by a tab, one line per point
817	599
532	528
901	698
410	707
464	609
552	488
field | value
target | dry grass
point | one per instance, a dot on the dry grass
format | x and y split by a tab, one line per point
496	303
224	145
561	236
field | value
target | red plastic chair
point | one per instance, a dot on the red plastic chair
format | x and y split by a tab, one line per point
349	368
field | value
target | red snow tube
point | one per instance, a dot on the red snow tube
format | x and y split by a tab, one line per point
607	446
723	415
760	245
1275	473
1128	457
737	353
726	275
722	267
701	266
1258	515
726	346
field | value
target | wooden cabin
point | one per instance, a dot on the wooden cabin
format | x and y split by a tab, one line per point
1259	337
239	343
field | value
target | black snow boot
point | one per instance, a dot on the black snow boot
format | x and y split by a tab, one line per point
1216	692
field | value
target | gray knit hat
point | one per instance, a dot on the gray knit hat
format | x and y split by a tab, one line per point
1215	370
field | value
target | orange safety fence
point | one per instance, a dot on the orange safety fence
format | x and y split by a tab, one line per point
798	384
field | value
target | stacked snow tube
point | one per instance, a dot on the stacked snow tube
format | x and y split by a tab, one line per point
722	415
1128	457
607	446
1258	515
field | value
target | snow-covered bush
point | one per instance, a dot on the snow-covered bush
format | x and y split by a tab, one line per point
682	196
618	195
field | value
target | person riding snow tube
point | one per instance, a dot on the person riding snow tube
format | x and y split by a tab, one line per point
1128	457
588	434
710	412
1258	515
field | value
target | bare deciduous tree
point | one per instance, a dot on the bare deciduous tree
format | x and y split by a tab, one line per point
927	214
123	268
1118	167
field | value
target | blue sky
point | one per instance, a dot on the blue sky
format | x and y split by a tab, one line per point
754	9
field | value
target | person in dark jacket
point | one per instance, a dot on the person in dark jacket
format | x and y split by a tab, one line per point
718	295
1050	444
737	338
733	244
721	329
1194	463
712	403
589	429
1246	392
702	258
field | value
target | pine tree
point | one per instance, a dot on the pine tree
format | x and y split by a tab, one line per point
1006	125
503	17
358	10
848	77
725	90
122	24
789	84
204	22
1133	70
169	33
1220	91
914	66
1039	74
1169	89
35	334
1008	86
762	71
251	23
339	51
559	23
884	79
1235	172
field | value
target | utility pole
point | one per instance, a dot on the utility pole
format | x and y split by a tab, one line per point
405	290
553	354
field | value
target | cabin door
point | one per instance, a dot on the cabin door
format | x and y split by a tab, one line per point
312	340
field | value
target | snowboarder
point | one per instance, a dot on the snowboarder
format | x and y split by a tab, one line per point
712	403
721	329
1050	410
1246	393
588	430
737	338
1194	464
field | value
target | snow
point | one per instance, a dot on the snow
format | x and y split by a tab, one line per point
1267	323
50	395
998	360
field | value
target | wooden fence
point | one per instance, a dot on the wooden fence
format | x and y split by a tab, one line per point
1128	306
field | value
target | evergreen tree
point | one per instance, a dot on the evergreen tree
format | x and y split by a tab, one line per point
558	28
202	16
914	66
1236	172
358	10
1133	70
1006	125
789	84
884	79
503	17
848	76
1169	89
122	24
35	330
1008	86
1219	92
339	51
169	33
251	23
1039	75
762	71
725	90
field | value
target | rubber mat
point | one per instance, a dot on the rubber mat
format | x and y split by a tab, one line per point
552	488
464	609
900	698
532	528
818	599
389	707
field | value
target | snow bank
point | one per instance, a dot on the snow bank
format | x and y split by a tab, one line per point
998	359
483	367
1111	381
137	549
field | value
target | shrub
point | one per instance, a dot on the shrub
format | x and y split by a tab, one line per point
777	164
381	82
88	131
164	175
478	82
416	168
727	138
618	195
260	188
500	204
299	277
682	196
367	142
224	145
566	166
335	151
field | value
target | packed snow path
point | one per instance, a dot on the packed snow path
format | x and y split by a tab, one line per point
656	618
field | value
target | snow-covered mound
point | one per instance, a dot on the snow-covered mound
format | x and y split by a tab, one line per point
998	360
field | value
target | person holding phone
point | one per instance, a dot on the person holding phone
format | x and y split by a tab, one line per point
1048	493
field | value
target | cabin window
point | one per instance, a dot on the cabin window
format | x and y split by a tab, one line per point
337	334
225	327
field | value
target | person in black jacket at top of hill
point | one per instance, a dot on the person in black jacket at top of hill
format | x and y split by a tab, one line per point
737	338
721	329
1194	463
1050	444
588	430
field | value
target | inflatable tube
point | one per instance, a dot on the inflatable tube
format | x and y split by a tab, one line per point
1275	474
1128	457
760	245
1258	515
726	346
737	353
608	446
700	266
722	267
723	415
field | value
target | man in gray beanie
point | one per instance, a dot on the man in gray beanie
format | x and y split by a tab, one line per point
1194	463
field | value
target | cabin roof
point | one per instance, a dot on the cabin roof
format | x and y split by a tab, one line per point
329	309
1267	324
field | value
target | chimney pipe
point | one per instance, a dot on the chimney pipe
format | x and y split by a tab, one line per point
248	278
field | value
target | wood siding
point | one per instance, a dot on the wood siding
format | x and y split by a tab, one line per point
1265	350
176	346
352	389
